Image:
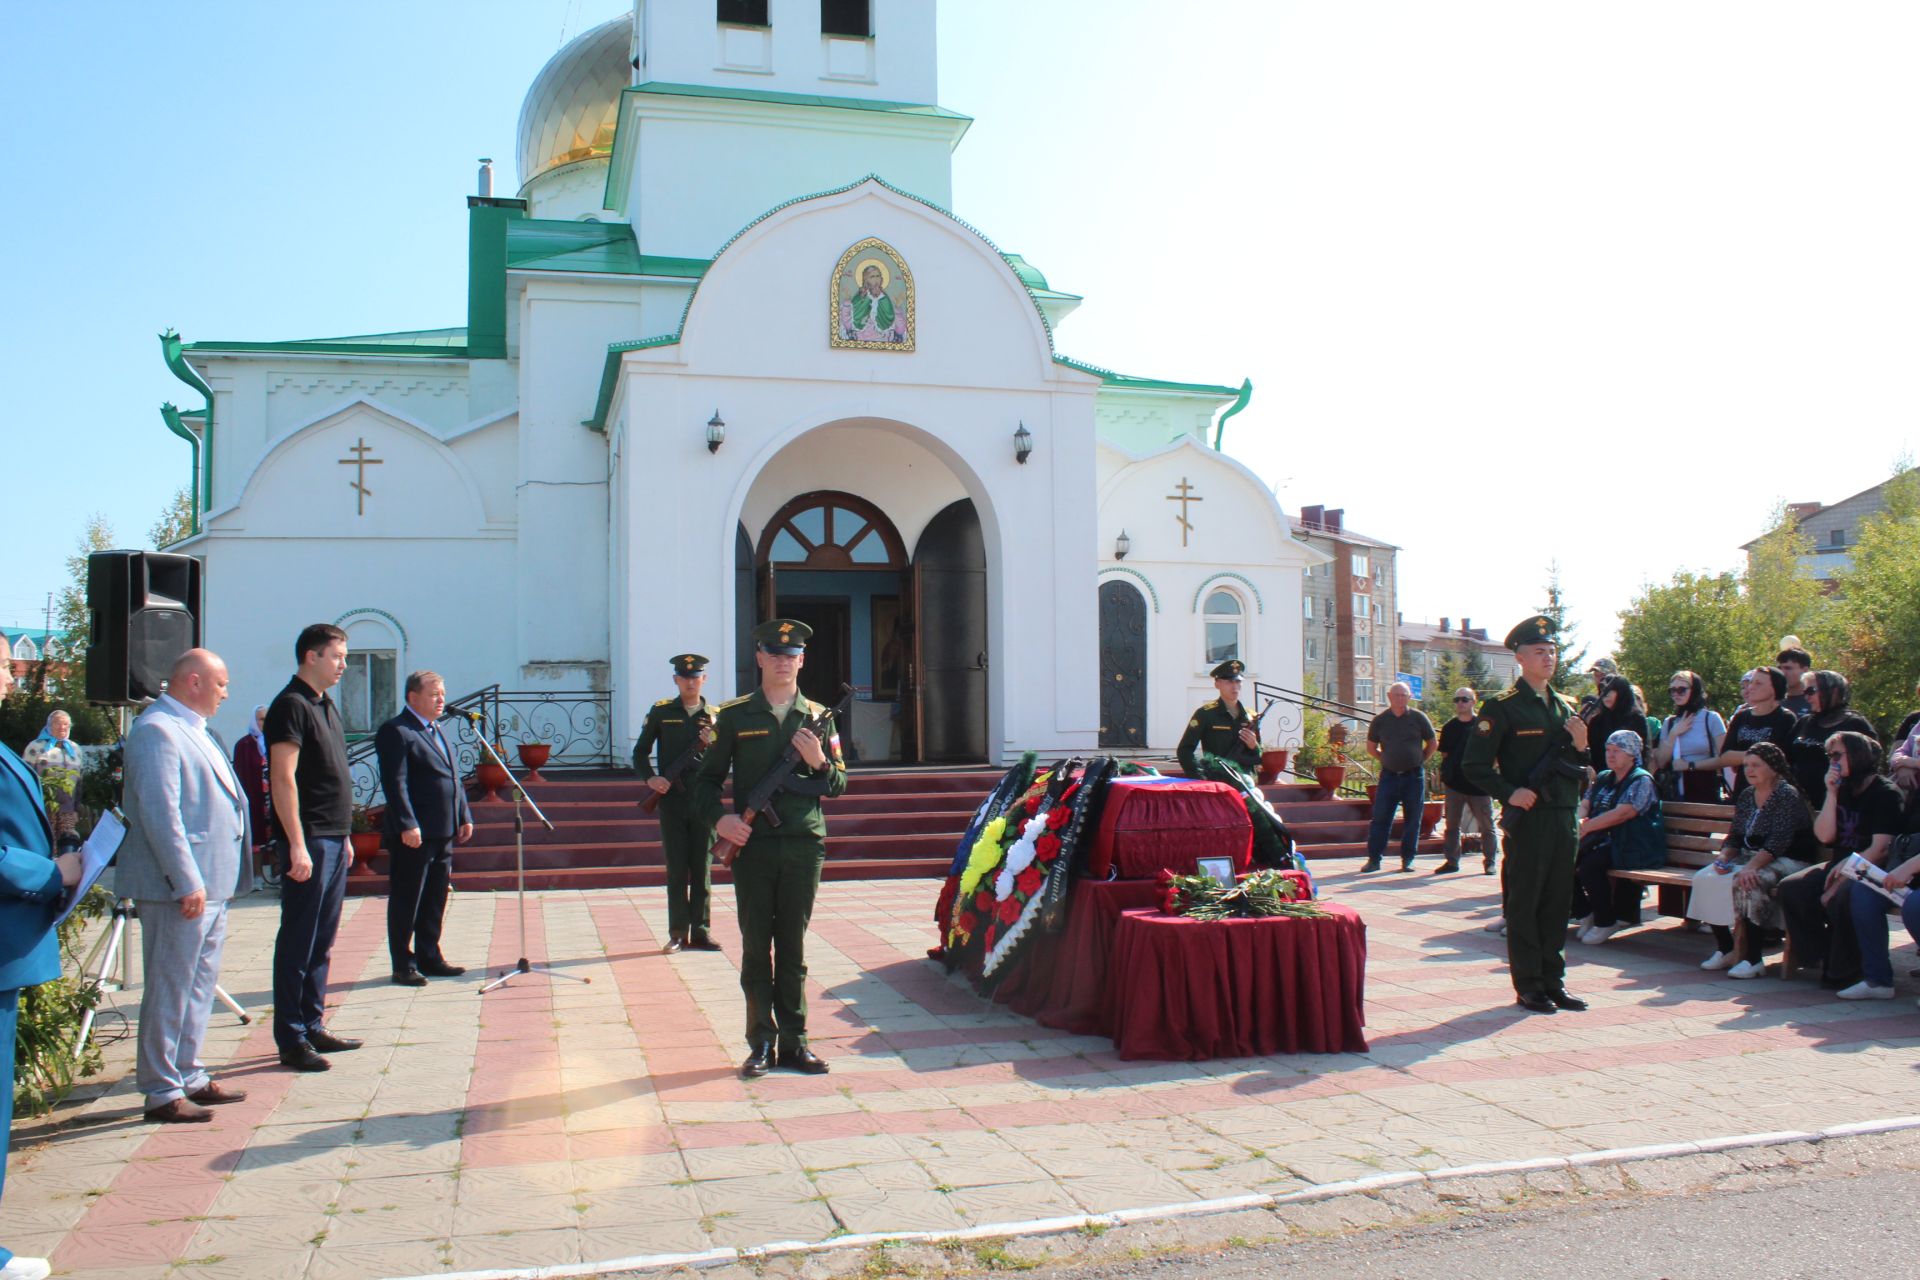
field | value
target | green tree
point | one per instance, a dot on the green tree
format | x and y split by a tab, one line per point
72	619
1436	699
1780	594
1696	622
1570	677
1869	629
175	522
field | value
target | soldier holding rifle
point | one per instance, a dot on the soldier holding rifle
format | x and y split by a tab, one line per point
681	727
784	754
1223	726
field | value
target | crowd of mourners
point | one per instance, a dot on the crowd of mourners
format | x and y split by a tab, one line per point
1811	783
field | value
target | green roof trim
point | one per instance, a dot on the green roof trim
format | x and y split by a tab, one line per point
200	486
1239	402
1029	274
602	248
610	376
323	347
1130	383
487	224
665	89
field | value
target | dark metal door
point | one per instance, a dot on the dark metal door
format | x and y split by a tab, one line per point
1123	666
746	614
950	599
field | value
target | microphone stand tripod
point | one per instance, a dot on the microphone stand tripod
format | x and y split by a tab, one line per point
520	864
110	952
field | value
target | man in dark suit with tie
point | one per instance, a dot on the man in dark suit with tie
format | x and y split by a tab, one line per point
426	816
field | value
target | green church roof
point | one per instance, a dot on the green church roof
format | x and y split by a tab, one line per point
544	244
443	343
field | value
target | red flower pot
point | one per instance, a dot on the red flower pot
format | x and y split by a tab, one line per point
492	778
365	845
1330	776
1272	764
533	755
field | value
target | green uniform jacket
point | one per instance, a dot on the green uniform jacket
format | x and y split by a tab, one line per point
671	727
1513	730
1216	731
749	741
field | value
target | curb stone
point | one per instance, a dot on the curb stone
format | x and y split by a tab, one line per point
931	1252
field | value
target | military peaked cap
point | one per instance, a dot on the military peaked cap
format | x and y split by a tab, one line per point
688	664
782	635
1538	629
1231	669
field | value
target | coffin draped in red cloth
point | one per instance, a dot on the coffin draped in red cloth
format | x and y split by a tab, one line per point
1186	989
1062	978
1151	825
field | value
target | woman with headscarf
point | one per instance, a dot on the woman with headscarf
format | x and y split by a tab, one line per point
1620	829
1860	812
250	766
55	758
1614	710
1770	839
1690	740
1829	699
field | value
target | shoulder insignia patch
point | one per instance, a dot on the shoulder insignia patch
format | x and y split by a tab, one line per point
733	702
664	701
1194	723
1209	706
1483	724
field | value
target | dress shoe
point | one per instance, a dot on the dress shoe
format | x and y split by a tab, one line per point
179	1111
674	946
408	978
327	1042
1534	1002
1486	866
702	941
1446	868
304	1057
215	1094
441	969
1406	864
803	1060
26	1269
758	1063
1565	999
1373	865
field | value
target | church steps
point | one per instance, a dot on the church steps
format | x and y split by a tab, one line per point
892	823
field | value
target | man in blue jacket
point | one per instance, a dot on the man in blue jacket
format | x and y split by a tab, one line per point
426	816
32	884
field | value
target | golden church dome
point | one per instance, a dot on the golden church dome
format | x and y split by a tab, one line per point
570	111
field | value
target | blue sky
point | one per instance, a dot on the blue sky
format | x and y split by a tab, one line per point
1514	282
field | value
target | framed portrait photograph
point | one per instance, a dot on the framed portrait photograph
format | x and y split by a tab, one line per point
1220	869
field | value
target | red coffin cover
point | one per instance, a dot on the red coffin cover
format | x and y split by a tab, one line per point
1148	827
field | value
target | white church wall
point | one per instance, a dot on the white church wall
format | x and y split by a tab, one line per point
981	368
562	615
683	204
572	191
683	45
1239	542
1142	421
433	392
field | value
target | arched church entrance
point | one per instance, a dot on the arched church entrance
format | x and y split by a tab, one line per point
908	632
1123	666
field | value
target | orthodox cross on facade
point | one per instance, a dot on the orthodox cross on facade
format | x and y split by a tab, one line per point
360	462
1183	494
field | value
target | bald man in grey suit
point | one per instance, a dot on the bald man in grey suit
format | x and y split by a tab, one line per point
184	856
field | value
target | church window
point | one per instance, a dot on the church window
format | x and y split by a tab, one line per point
845	18
367	690
1223	627
832	531
743	13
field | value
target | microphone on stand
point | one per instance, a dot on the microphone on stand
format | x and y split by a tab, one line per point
450	713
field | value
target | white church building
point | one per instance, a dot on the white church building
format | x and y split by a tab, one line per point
729	356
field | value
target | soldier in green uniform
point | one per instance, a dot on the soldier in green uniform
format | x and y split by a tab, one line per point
1525	735
672	725
777	871
1222	727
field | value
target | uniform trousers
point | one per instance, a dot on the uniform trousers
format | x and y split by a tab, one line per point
687	844
775	880
309	919
1538	885
180	963
417	881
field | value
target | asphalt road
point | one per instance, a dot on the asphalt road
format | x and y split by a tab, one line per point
1799	1223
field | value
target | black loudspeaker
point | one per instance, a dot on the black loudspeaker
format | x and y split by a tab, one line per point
146	613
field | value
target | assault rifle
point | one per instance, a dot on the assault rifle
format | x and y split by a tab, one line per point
1546	768
780	777
682	764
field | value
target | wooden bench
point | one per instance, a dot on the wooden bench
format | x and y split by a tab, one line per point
1695	833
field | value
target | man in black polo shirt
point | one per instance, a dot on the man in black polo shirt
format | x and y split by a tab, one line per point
312	817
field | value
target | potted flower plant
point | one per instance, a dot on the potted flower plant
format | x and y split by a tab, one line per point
365	836
493	778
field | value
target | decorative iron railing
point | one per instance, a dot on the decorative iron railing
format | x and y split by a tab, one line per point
1287	721
577	729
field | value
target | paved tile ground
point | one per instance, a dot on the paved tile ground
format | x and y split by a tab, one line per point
554	1122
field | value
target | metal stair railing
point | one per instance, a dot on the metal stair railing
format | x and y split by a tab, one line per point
1287	721
576	726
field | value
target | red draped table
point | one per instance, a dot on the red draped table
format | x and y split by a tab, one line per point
1063	980
1185	989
